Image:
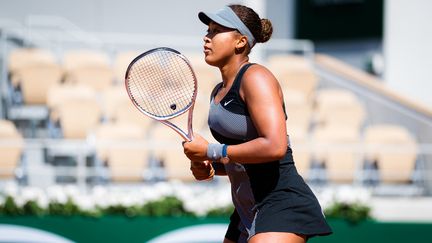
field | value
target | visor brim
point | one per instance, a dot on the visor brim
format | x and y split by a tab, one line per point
206	18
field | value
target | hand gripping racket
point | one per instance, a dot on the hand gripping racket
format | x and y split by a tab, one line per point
162	84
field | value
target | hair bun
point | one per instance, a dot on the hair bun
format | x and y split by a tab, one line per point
266	32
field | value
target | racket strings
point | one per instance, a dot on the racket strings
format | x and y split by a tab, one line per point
162	84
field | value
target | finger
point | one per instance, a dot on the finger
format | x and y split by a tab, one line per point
198	164
194	164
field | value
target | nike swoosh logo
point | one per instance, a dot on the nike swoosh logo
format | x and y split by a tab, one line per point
227	102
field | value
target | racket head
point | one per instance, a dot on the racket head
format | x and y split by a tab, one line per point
161	83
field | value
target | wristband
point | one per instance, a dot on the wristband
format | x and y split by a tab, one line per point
224	150
214	151
224	159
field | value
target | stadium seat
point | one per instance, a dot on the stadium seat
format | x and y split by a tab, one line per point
78	116
121	62
338	107
177	165
207	76
125	111
301	154
36	79
163	137
22	57
200	114
118	144
111	99
60	92
57	93
73	59
11	149
394	150
299	112
96	77
336	147
294	72
169	151
76	108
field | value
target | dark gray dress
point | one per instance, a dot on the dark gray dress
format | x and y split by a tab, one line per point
270	196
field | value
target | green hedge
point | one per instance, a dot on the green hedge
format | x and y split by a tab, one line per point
166	206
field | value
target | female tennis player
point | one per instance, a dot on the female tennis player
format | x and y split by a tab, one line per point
247	117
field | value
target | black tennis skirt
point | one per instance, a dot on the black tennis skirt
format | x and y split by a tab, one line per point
295	210
292	208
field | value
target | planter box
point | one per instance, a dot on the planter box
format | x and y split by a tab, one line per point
142	229
372	231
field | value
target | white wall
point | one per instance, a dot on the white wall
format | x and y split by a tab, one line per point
408	48
142	16
282	15
156	16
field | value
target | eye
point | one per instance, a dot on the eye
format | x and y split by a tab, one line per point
212	31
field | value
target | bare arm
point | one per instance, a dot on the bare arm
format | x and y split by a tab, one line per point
261	93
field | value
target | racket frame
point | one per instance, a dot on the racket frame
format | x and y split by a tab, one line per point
165	120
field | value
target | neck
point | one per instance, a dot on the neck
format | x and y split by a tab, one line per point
229	71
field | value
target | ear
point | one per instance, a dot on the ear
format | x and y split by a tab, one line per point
242	42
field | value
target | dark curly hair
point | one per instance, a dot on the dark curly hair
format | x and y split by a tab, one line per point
261	29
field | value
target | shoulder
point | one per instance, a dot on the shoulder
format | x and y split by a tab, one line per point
258	75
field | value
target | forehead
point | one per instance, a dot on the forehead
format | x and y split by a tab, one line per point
214	25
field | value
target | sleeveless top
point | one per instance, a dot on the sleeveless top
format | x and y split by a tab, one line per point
230	123
269	196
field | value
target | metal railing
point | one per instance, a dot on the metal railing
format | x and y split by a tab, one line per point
36	153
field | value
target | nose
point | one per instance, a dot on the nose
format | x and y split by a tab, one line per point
206	38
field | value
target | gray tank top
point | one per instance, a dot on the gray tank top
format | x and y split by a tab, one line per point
258	184
230	123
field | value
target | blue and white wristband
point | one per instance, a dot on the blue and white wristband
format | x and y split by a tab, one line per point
214	151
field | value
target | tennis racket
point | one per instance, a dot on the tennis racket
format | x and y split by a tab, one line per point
162	85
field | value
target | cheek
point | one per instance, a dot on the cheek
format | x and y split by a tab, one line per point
221	49
226	43
215	55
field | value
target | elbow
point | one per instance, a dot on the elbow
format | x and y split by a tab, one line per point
277	152
273	149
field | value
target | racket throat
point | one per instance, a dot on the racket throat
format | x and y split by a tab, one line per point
186	136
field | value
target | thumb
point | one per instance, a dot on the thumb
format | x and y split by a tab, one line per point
206	162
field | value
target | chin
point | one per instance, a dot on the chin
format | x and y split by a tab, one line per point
209	61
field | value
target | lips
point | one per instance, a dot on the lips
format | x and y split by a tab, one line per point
206	49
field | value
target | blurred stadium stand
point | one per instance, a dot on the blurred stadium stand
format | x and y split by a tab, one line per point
65	111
